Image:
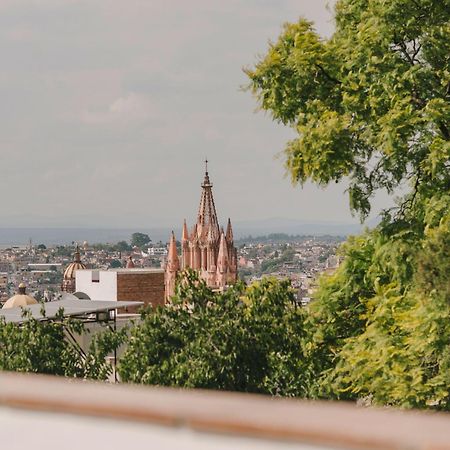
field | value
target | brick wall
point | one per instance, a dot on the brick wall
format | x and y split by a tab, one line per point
147	287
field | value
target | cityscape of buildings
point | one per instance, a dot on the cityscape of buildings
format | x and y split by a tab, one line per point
131	313
99	270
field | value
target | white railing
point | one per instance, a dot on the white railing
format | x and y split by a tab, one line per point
56	413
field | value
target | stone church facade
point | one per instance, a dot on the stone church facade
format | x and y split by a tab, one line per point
208	249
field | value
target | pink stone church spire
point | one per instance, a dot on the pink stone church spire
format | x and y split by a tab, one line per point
172	267
172	258
207	215
130	263
185	248
185	234
208	249
222	258
229	233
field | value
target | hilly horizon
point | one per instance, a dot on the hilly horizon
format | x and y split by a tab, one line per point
242	229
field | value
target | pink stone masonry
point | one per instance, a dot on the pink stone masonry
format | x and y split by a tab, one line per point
208	249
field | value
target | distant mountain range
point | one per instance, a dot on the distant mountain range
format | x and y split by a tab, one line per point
298	227
54	236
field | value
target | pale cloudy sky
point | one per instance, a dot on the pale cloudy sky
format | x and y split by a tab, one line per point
109	108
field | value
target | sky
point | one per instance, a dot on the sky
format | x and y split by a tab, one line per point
109	108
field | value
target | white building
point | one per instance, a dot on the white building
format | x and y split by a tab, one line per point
143	285
157	251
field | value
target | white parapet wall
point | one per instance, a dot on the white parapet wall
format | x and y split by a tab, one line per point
51	413
97	284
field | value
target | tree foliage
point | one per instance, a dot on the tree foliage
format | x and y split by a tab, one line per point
140	239
46	347
123	246
371	103
244	339
115	264
380	326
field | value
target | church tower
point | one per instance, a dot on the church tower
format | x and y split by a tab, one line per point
172	266
68	284
208	249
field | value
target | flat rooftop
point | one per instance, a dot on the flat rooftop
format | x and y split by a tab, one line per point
125	270
71	308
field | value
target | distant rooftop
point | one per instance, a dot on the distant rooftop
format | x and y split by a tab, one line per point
45	264
71	308
125	270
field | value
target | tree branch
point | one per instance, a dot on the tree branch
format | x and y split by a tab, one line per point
401	46
444	130
327	75
409	202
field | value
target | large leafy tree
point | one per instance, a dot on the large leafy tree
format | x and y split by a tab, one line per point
47	347
140	239
400	352
371	104
244	339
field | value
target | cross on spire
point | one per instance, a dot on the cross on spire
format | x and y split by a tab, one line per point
206	181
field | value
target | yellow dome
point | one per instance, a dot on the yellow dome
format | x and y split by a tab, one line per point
68	283
69	273
20	299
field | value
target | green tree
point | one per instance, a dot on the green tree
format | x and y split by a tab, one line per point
140	240
244	272
43	347
399	352
244	339
371	104
123	246
115	264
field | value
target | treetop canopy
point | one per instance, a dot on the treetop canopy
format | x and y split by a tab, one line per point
370	103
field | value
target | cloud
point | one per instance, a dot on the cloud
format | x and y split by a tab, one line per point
129	97
19	33
129	109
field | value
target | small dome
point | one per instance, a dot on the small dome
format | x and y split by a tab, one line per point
69	273
68	284
20	299
76	264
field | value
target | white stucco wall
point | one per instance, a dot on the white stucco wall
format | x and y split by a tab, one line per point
55	431
105	289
